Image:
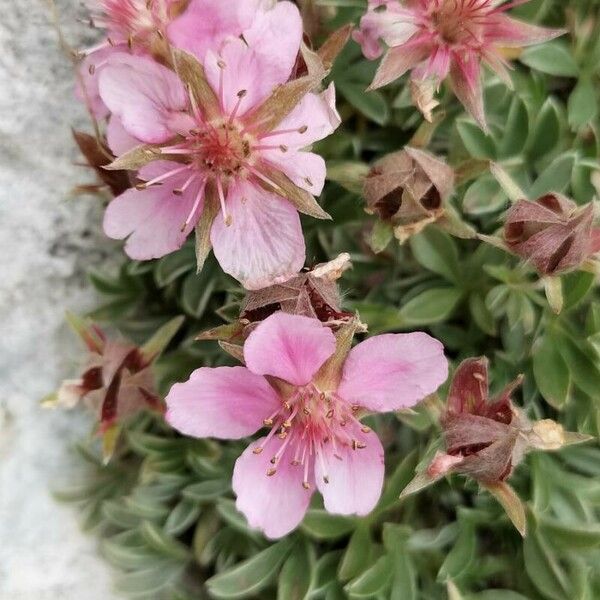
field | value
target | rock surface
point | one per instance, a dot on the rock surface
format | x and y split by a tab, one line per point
47	241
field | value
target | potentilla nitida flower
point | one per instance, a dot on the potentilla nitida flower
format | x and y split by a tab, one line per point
437	39
408	189
552	233
486	438
147	27
118	379
309	389
229	150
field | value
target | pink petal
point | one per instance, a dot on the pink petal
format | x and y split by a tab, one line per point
119	141
314	118
290	347
263	244
506	31
393	371
86	88
144	95
465	74
153	218
221	402
241	77
206	24
400	59
275	36
306	169
275	504
355	477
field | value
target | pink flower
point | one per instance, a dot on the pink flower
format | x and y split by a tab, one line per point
227	155
142	27
310	393
440	38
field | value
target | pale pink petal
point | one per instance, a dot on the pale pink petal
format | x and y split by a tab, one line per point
506	31
354	477
221	402
393	371
206	24
465	75
86	88
291	347
276	35
275	504
306	169
241	77
394	25
263	243
314	118
119	141
153	218
143	94
400	59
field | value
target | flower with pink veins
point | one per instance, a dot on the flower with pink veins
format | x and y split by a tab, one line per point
309	389
437	39
237	164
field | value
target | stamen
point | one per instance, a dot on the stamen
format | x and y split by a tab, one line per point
241	95
195	206
161	178
300	130
226	217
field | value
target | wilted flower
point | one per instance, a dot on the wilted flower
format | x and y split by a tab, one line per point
553	233
408	188
486	438
309	388
232	157
440	38
117	381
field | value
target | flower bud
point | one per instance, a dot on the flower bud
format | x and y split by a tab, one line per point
553	233
408	189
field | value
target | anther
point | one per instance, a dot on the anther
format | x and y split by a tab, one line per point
271	472
267	422
257	450
287	424
326	478
92	69
355	408
283	148
242	93
273	460
309	181
329	414
303	129
295	463
306	485
365	429
221	63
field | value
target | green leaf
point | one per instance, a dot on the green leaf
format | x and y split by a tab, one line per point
551	372
182	517
431	306
462	553
583	104
371	104
496	595
516	131
477	143
436	251
206	490
356	556
381	235
481	314
570	536
546	131
150	581
296	575
484	196
555	178
543	568
174	265
375	580
583	362
322	525
163	543
576	286
161	339
250	576
553	58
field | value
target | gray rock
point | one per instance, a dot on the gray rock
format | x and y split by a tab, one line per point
47	242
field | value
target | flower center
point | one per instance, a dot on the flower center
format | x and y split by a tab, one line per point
307	422
458	21
133	18
220	148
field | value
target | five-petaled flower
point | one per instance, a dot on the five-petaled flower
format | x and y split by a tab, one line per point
310	391
229	150
440	38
